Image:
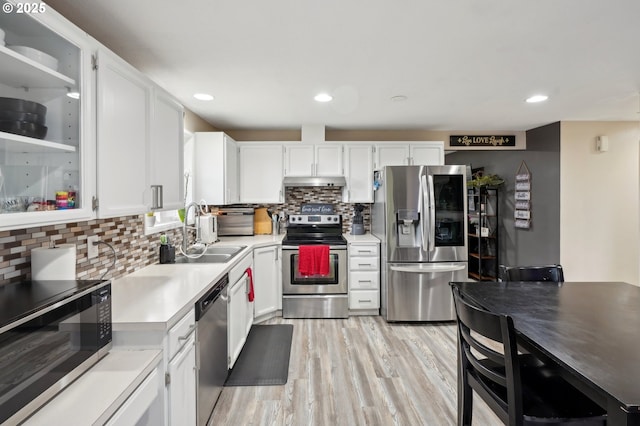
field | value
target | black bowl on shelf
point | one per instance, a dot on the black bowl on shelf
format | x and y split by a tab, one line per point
22	105
23	128
30	117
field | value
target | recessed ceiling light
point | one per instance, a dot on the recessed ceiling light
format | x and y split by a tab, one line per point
323	97
399	98
203	96
537	98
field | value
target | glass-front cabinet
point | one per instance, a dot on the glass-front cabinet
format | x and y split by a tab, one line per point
45	64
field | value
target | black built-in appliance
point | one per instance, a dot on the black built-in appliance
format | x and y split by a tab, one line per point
315	296
50	333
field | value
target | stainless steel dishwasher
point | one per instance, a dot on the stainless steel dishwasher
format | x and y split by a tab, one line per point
211	347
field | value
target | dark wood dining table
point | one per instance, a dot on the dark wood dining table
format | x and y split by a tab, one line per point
590	329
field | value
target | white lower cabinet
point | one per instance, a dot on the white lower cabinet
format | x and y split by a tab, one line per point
182	385
267	275
181	373
138	409
364	278
240	309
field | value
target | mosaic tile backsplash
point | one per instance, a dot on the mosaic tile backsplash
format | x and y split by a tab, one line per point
133	249
126	234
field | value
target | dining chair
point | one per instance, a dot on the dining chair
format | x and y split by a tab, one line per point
552	273
517	387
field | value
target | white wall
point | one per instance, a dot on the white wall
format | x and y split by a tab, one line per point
600	197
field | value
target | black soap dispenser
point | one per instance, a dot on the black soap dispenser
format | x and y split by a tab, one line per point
167	251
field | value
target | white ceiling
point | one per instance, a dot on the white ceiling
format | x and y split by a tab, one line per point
463	64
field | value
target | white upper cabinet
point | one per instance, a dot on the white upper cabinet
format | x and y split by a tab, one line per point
313	160
406	154
261	172
140	142
47	153
358	169
215	169
166	149
299	160
392	154
123	119
427	153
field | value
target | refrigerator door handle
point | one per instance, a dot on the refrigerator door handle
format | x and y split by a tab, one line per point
432	216
428	268
424	201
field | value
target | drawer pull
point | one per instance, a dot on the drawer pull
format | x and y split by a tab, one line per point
364	281
364	300
364	264
186	336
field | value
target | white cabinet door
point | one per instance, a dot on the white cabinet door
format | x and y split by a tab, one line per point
261	172
299	160
182	385
392	154
313	160
359	173
427	154
267	283
123	113
236	319
166	149
65	159
328	160
215	173
248	309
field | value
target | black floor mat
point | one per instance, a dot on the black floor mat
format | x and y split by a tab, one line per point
264	360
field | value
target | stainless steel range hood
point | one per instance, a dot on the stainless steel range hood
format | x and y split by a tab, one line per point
290	181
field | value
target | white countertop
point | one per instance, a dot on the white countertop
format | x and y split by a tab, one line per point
97	394
367	238
157	296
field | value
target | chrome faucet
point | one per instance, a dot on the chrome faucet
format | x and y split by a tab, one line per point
196	226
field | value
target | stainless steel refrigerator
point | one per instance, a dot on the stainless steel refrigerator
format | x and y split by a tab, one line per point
419	214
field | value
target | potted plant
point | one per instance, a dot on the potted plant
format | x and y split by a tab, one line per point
480	179
150	219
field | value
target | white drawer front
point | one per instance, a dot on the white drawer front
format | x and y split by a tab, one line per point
363	263
364	299
364	280
179	333
368	250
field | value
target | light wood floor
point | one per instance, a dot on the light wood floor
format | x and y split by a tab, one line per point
358	371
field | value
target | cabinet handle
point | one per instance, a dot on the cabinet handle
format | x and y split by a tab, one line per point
364	264
364	281
156	197
186	336
364	300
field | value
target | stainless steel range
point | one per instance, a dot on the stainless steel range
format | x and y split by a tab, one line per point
314	295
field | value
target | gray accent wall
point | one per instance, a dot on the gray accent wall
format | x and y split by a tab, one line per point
541	243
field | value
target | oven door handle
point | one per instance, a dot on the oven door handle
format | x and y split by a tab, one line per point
330	248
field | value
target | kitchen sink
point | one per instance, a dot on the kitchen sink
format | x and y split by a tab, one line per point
213	254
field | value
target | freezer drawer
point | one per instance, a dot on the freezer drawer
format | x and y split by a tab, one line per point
420	291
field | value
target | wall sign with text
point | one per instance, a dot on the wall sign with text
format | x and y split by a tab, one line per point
489	141
522	213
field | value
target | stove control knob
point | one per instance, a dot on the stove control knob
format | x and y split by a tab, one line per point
335	219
